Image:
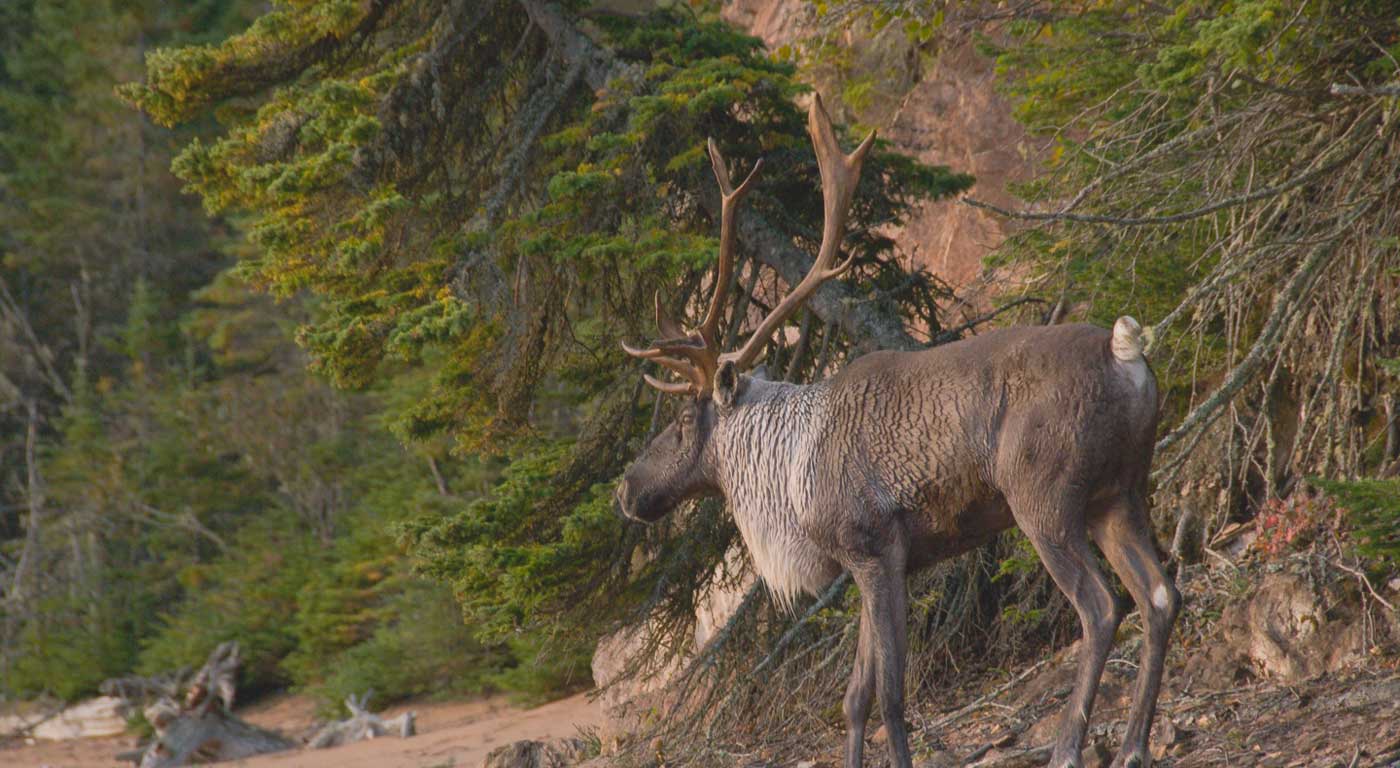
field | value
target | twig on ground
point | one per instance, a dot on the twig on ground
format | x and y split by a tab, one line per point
1361	577
984	700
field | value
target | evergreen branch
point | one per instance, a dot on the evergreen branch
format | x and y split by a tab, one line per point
954	333
833	302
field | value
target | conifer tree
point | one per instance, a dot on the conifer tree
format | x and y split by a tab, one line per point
492	192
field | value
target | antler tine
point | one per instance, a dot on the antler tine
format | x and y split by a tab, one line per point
696	355
669	328
698	375
669	387
840	174
729	206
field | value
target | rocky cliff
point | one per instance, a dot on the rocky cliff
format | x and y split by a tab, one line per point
942	109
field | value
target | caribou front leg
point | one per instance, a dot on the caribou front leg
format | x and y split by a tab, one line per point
884	604
860	692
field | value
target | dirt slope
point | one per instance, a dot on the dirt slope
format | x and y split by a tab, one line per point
1334	720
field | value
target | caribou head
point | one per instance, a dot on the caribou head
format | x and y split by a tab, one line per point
678	464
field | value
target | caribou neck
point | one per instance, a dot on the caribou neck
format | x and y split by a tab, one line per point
758	453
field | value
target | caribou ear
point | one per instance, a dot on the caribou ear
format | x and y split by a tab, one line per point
728	384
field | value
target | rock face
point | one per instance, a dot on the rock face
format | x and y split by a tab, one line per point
955	117
949	114
622	698
1282	632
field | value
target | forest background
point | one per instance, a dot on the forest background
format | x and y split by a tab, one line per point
310	310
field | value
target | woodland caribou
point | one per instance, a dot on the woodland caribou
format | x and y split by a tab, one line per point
905	458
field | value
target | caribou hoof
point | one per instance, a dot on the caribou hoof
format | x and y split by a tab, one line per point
1134	760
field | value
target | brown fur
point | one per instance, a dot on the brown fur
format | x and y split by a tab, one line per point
906	458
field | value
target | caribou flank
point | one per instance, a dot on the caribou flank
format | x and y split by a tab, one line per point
905	458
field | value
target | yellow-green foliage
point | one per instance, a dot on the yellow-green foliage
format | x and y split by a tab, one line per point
399	188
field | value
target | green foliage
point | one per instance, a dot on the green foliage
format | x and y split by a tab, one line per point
246	596
465	213
419	647
1373	514
541	667
71	654
504	578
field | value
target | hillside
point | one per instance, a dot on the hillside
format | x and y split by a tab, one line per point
410	346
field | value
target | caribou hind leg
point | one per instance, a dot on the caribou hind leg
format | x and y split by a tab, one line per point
884	603
1057	531
1123	531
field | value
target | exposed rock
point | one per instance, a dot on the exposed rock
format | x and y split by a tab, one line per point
949	113
555	753
731	582
955	117
95	716
776	22
1281	631
622	698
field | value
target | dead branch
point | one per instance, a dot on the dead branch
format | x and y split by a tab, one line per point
362	725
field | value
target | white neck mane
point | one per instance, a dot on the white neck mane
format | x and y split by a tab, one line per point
760	450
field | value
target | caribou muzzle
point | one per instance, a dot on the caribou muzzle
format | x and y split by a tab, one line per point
636	502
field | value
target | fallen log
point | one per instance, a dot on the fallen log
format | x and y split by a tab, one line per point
203	728
214	735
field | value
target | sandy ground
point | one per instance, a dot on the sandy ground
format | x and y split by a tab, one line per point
450	734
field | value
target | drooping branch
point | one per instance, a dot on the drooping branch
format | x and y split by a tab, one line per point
833	302
525	130
173	97
1285	305
1176	218
599	66
11	311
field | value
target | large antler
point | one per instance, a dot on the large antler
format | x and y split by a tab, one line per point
695	354
840	174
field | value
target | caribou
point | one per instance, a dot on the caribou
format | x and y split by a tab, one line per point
903	459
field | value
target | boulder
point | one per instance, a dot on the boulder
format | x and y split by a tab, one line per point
554	753
102	716
624	696
1283	632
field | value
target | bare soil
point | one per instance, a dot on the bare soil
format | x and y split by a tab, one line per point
457	734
